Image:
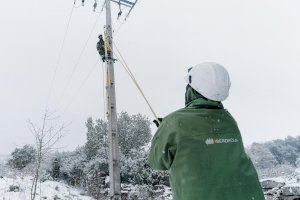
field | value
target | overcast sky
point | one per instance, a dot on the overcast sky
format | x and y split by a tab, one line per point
256	40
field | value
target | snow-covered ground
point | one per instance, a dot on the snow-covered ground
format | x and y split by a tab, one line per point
19	189
285	187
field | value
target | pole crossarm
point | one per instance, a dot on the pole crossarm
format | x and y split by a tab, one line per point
130	10
124	3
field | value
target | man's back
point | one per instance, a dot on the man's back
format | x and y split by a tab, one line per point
202	147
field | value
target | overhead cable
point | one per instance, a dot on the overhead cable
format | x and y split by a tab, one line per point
60	55
78	60
128	70
81	86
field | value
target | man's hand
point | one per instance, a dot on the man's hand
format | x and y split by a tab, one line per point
157	121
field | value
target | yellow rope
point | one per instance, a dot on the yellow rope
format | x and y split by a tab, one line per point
107	81
127	69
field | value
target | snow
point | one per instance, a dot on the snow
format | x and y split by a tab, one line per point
283	187
293	185
48	190
276	179
19	189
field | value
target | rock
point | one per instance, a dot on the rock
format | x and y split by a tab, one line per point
291	190
270	184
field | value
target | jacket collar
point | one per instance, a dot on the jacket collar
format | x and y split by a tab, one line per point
195	100
205	103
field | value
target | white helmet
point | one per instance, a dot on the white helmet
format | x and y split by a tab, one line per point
211	80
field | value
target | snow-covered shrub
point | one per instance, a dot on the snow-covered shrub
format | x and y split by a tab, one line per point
298	163
71	166
55	168
136	170
95	173
134	133
21	157
286	151
88	166
261	156
45	175
14	188
277	171
140	192
97	139
277	157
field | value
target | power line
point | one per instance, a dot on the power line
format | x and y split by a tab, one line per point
131	75
78	60
60	55
81	86
116	30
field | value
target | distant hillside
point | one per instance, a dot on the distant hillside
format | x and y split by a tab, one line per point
277	157
3	158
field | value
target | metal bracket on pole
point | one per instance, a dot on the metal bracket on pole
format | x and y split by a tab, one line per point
126	3
123	3
130	10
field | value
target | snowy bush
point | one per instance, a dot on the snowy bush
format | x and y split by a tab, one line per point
14	188
298	163
55	168
88	166
276	158
136	170
97	139
140	192
21	157
95	173
277	171
285	151
276	152
71	166
261	156
134	134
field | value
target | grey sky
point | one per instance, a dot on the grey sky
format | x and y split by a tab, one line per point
257	40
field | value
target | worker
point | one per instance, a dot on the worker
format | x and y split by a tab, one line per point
101	48
201	144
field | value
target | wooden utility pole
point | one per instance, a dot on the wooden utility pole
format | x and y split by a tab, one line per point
114	159
105	49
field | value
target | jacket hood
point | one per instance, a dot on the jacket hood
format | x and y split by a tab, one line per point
195	99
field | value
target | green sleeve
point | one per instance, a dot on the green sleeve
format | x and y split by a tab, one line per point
163	147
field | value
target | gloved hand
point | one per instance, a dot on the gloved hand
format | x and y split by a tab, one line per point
157	122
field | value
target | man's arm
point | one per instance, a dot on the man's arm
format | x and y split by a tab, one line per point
163	148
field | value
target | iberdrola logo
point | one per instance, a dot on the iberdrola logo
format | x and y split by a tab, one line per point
210	141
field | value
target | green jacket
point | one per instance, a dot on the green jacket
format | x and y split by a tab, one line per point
202	148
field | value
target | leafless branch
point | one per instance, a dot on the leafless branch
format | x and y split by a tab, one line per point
46	137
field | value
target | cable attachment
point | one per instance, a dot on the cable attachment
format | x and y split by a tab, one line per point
82	2
95	5
129	4
120	10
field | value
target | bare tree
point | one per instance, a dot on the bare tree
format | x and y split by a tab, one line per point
46	136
